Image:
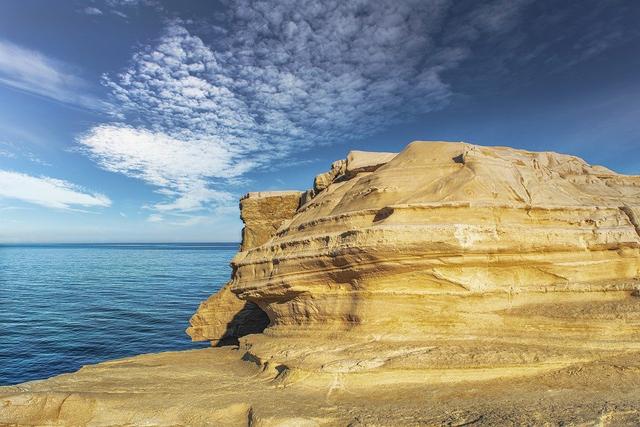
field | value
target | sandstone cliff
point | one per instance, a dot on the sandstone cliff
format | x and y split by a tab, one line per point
223	316
440	239
448	284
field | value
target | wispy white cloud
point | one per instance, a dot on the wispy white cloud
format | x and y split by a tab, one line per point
120	8
598	28
35	159
117	7
13	151
36	73
179	168
131	3
92	11
7	153
283	76
155	218
120	14
48	192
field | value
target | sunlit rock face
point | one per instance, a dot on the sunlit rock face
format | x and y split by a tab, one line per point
440	237
445	239
263	213
224	317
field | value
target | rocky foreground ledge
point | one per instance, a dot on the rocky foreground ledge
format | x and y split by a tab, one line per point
449	284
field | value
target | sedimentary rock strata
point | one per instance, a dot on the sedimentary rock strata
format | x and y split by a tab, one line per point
223	316
445	239
215	387
263	213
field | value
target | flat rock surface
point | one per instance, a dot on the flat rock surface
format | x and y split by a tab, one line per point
217	387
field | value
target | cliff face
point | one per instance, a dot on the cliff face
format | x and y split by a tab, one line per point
224	317
264	213
442	239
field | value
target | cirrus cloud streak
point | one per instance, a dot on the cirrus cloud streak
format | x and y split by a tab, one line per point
179	168
33	72
48	192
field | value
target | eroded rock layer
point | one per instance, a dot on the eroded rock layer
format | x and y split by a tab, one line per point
214	387
263	213
224	317
446	239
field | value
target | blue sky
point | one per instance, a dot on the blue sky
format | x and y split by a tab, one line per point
143	120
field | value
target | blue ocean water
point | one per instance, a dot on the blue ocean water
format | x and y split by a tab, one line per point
64	306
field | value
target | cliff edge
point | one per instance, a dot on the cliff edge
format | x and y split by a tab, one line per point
448	284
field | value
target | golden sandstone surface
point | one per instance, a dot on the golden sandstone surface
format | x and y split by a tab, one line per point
449	284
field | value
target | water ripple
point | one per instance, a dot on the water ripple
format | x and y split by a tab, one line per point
64	306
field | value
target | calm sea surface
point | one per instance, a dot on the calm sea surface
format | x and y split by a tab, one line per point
64	306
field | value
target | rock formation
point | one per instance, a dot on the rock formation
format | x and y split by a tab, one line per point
264	213
224	317
474	284
440	239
